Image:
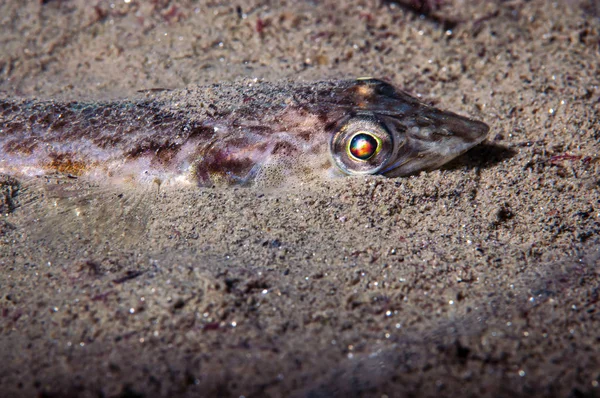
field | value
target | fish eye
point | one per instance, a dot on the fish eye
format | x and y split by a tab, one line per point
361	145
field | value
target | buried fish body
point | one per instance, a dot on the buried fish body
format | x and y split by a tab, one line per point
235	133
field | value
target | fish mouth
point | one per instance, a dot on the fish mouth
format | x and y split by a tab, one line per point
433	139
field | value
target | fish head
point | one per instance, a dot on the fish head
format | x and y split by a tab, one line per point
387	131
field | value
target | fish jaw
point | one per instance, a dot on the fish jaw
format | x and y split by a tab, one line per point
432	139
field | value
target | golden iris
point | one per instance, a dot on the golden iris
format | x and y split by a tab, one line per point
363	146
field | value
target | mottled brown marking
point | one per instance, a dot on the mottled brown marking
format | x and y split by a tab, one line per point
304	135
64	163
24	146
364	91
283	148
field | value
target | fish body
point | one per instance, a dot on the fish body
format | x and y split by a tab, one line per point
235	133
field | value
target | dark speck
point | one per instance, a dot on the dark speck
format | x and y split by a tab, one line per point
179	304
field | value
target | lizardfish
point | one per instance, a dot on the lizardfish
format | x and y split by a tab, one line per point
235	133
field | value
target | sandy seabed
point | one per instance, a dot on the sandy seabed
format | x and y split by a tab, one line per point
480	279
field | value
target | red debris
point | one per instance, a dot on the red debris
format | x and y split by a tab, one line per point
211	326
261	25
559	158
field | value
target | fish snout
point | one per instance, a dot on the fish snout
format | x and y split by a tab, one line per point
430	141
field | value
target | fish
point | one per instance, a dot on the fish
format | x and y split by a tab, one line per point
235	133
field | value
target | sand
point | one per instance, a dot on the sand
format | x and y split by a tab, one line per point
479	279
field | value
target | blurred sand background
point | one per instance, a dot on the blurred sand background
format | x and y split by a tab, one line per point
480	279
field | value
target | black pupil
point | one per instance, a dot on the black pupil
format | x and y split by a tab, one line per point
363	146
